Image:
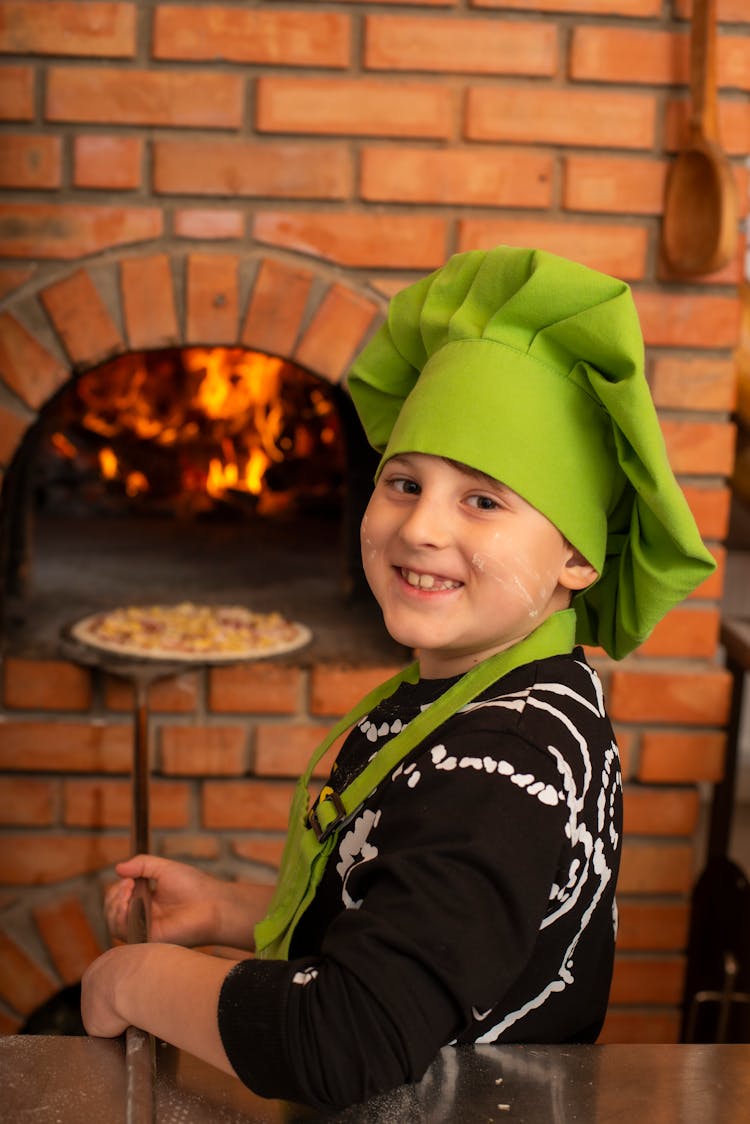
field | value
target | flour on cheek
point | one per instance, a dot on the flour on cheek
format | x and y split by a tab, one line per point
529	587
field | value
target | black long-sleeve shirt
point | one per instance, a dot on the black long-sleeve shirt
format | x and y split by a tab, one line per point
471	899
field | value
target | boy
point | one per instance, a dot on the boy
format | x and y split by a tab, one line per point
455	880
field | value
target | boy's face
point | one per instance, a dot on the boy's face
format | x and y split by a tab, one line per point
461	566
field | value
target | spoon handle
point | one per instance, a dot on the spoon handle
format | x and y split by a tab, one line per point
703	112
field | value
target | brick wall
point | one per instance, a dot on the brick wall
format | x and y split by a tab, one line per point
267	175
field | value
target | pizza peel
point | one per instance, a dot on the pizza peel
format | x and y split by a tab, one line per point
142	672
140	1051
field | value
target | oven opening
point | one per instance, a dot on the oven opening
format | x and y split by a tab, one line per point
218	475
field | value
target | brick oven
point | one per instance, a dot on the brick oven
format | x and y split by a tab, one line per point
261	178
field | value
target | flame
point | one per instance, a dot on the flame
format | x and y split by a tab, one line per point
108	465
136	483
224	416
63	446
255	470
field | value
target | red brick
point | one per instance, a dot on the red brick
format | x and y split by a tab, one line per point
108	96
335	332
713	586
652	926
108	803
236	34
27	367
656	868
27	801
191	846
284	750
178	695
24	985
208	223
276	308
10	1024
72	230
357	107
417	3
203	750
592	7
30	161
609	54
45	859
16	93
625	746
688	698
148	302
354	239
685	632
681	756
261	689
710	508
687	320
638	980
236	168
538	115
261	805
12	277
212	296
267	851
632	55
616	249
13	426
471	46
100	30
45	685
659	811
69	747
702	448
335	689
656	1027
693	383
614	184
68	936
479	176
107	163
81	319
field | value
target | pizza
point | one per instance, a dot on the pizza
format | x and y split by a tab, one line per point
189	632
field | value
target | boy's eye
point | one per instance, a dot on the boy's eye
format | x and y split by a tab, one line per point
484	503
403	484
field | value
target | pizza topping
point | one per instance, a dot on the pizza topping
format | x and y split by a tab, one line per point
188	630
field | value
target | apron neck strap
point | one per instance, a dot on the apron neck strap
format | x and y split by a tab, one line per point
312	832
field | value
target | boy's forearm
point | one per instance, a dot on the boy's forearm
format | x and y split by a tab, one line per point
169	991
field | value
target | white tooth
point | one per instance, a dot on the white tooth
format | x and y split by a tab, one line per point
412	578
427	581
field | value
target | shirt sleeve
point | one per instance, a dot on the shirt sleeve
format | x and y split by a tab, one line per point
446	877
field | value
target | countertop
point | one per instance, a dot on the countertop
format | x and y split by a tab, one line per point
77	1080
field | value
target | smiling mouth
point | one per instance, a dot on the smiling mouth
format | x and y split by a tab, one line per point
428	581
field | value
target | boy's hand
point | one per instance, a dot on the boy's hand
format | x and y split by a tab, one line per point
183	900
102	980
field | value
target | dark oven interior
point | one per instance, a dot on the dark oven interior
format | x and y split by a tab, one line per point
217	475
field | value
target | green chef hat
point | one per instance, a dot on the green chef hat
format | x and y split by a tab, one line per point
530	368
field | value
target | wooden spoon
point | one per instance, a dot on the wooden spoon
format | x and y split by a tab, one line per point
701	214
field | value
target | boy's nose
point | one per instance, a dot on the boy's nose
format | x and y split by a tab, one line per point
426	525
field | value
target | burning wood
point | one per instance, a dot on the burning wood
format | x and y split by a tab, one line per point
189	429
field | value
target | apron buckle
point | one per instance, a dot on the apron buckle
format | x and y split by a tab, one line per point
322	831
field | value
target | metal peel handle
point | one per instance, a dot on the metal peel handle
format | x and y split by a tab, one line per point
139	1046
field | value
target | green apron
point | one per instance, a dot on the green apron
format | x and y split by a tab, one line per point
313	833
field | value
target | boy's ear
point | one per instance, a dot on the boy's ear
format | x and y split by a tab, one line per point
577	573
